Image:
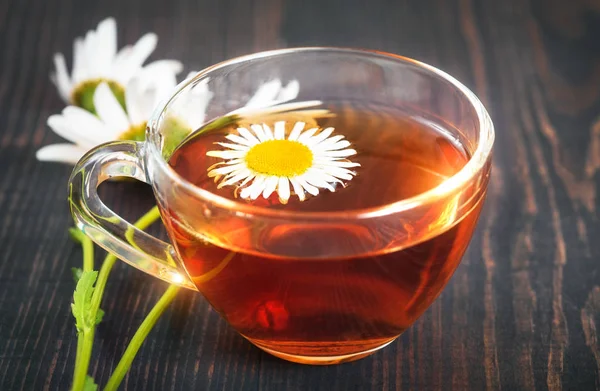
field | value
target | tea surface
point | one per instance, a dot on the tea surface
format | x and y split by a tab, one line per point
399	157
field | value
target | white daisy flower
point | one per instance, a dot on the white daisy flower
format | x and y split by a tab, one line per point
86	130
96	60
263	161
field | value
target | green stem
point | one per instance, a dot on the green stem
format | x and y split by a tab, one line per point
85	341
144	222
77	372
88	254
139	337
88	265
148	219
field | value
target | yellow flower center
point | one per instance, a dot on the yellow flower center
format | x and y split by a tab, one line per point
279	158
134	133
83	94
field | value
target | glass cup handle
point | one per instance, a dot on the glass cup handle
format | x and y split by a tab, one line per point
107	229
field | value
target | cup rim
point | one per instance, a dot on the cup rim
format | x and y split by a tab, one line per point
459	180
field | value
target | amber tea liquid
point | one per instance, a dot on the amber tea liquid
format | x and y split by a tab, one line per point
322	307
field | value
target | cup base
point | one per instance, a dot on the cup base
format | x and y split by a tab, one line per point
322	359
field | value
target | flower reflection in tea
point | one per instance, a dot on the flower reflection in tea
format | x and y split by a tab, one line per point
262	161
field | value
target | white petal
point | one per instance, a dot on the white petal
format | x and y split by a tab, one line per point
265	94
236	147
234	173
234	161
106	38
131	59
248	136
245	193
306	135
329	142
77	131
268	132
139	101
227	163
342	153
91	63
279	130
271	109
142	49
299	106
65	153
323	175
297	189
283	190
201	87
61	77
318	181
242	174
157	75
78	71
89	124
107	31
319	137
339	172
298	127
240	140
108	108
306	186
191	74
160	76
225	170
248	179
257	187
258	130
339	145
289	92
335	163
270	186
164	65
254	190
191	107
226	154
120	63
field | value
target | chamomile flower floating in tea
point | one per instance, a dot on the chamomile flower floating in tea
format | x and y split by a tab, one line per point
96	60
263	161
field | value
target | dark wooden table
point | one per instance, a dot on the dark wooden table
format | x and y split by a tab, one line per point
521	313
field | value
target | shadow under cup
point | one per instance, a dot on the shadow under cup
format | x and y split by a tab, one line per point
318	287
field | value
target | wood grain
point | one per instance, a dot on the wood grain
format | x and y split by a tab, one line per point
521	313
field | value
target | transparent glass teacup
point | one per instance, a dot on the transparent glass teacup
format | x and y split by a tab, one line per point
337	285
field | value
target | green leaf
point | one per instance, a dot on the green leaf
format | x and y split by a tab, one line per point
76	234
99	315
174	133
76	272
89	384
82	299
